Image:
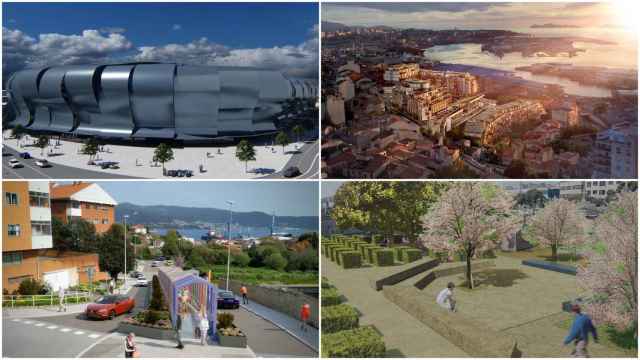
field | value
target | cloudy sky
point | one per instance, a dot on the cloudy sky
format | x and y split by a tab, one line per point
276	36
481	15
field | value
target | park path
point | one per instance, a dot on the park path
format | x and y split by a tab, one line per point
404	335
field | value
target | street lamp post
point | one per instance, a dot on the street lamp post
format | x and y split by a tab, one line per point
229	241
125	250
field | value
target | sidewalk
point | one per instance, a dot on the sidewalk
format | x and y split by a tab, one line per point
285	322
40	311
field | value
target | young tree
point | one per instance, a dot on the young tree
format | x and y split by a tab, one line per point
111	251
611	269
297	131
470	217
163	154
245	152
90	148
557	224
282	139
18	132
157	298
43	142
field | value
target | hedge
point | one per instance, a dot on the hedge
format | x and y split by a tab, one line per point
338	318
376	239
370	253
325	284
339	251
398	252
362	342
350	259
335	249
358	244
411	255
383	257
330	297
326	246
365	251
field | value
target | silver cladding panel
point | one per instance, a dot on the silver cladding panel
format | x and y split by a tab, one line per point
155	100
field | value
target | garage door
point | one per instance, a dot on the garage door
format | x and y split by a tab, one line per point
55	279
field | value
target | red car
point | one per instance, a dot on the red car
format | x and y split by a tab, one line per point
110	306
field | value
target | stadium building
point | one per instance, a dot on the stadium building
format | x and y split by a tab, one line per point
151	100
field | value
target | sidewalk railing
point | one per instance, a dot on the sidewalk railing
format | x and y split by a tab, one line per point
76	297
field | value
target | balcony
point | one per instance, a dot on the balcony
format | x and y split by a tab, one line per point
74	212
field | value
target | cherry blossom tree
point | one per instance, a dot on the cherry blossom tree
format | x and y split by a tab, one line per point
470	217
558	224
611	270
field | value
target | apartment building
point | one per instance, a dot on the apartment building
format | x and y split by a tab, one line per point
27	241
400	72
83	200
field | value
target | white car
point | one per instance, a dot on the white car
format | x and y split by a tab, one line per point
43	163
14	163
142	281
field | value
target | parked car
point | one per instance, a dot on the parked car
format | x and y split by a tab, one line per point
43	163
25	155
14	163
135	274
110	306
142	281
293	171
226	300
155	264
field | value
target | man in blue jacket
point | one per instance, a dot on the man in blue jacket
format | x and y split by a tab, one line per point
579	333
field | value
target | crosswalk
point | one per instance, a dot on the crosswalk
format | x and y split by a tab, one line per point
62	329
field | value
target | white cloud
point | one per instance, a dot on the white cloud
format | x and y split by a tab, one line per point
176	27
196	52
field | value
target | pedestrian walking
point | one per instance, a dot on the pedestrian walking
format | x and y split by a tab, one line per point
61	305
579	332
130	350
243	291
204	329
305	312
177	329
445	298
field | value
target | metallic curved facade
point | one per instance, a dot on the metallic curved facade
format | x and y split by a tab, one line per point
152	100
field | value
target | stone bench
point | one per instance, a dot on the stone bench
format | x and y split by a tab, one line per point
547	265
406	274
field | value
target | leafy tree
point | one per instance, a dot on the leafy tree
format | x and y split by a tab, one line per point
163	153
469	217
18	132
516	170
276	261
61	234
31	287
241	259
111	251
533	198
157	297
245	152
78	235
311	237
297	131
185	247
42	142
611	269
282	139
90	148
557	224
146	254
170	247
196	260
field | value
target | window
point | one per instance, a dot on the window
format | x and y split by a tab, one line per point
38	199
75	205
11	198
40	228
14	230
105	221
602	192
12	257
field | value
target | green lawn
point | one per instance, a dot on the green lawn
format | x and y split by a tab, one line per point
565	256
254	276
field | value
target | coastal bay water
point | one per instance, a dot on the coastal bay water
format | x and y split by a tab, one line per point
620	55
197	233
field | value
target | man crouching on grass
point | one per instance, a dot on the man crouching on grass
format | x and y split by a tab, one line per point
445	298
579	333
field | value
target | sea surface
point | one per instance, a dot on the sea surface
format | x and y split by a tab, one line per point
621	55
236	232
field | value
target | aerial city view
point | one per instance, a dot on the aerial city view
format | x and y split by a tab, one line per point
106	269
223	91
479	90
479	269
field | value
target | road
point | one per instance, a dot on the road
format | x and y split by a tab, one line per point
307	160
73	335
31	171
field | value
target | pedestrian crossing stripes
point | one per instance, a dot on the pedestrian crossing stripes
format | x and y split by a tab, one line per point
61	329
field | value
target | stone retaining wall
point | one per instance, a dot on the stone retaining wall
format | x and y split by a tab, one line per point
286	300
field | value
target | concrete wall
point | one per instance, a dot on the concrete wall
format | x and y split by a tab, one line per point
284	299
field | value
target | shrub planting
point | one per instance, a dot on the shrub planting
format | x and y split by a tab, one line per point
383	257
336	250
339	252
370	253
362	342
330	297
377	239
411	255
339	317
398	252
350	259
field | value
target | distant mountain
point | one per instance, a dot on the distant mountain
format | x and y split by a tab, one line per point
181	216
329	26
554	26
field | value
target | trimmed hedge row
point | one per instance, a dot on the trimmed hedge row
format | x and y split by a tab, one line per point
411	255
362	342
330	296
398	250
350	259
384	257
339	317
